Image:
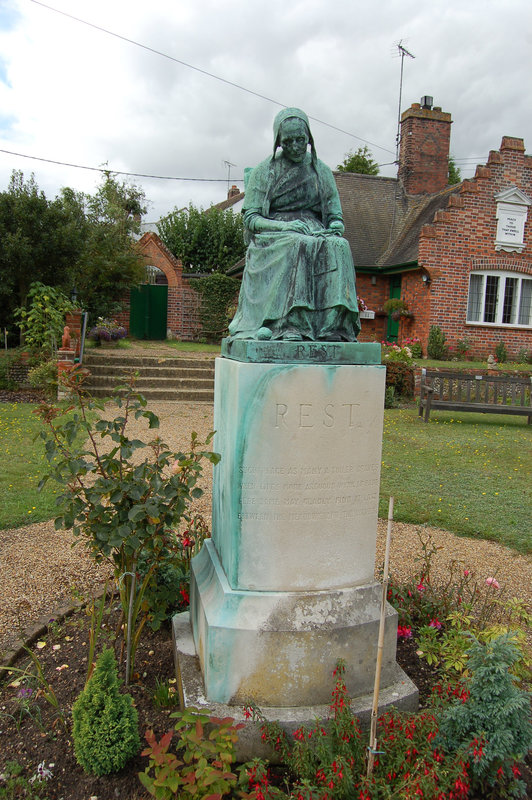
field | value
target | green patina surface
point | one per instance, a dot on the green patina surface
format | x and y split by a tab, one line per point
286	352
299	278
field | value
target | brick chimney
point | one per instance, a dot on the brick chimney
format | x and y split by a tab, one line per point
233	191
424	151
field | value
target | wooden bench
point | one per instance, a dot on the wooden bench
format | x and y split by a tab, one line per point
487	394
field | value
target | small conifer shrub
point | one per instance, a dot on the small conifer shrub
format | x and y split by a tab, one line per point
105	729
494	724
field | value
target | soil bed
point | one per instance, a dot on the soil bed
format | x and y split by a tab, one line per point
22	740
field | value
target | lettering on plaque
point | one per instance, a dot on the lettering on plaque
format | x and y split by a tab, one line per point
315	415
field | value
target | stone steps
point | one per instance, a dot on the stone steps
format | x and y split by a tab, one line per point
158	378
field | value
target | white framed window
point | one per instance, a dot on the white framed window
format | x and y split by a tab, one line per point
499	298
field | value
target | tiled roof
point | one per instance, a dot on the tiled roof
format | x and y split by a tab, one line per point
373	207
404	248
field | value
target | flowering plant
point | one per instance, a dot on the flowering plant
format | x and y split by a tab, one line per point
107	330
361	304
414	345
398	354
126	509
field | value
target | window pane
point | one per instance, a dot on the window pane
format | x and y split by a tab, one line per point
490	303
525	305
475	298
509	304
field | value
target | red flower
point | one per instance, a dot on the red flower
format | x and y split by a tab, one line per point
435	623
184	594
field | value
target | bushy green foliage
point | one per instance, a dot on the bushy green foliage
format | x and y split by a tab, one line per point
42	319
496	716
44	376
501	352
108	263
328	760
436	346
38	243
455	175
218	293
206	745
125	509
360	161
105	730
205	241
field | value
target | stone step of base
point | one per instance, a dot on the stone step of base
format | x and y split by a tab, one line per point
168	395
126	362
147	382
104	370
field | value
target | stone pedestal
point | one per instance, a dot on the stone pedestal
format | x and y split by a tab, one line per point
285	587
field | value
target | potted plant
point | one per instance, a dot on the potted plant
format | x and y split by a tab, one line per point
396	308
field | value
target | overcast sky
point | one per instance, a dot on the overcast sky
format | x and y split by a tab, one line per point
72	93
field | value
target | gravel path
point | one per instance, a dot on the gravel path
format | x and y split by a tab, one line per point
40	569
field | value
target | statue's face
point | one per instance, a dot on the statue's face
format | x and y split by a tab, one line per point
294	139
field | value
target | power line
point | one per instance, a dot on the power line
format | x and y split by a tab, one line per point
119	172
202	71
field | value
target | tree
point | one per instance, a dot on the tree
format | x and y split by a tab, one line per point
454	172
76	239
37	243
205	241
361	161
108	264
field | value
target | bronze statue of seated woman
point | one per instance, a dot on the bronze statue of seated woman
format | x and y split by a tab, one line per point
299	278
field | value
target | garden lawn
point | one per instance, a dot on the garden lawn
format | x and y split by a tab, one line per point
467	473
22	465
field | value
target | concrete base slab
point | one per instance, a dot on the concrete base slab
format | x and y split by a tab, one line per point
401	694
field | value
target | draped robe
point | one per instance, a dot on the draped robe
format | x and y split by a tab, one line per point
293	282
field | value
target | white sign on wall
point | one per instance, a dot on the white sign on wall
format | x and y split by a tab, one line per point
512	210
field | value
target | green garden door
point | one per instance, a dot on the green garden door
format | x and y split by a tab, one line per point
147	311
392	330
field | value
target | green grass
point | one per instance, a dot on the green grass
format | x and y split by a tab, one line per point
22	465
470	366
467	473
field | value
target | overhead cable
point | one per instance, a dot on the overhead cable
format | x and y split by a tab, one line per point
202	71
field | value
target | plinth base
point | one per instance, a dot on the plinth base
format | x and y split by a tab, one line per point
400	693
280	648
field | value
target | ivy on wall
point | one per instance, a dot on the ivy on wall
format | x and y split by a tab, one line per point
218	297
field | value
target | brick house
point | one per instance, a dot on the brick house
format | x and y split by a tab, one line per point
459	256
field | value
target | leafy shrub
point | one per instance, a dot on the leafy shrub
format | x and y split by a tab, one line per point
218	293
44	376
495	718
389	397
105	731
207	746
125	510
400	377
414	345
524	356
329	759
463	346
501	352
436	346
43	319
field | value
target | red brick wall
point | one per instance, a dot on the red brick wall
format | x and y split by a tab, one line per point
183	301
462	239
373	330
424	152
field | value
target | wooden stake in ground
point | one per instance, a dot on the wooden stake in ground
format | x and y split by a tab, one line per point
372	749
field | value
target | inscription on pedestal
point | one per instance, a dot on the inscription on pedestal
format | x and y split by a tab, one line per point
310	480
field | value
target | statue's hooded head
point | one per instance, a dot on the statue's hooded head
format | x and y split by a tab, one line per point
282	116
